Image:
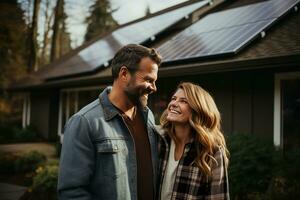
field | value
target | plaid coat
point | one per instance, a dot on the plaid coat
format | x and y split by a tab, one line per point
188	181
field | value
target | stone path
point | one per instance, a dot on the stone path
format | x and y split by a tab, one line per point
21	148
14	192
11	192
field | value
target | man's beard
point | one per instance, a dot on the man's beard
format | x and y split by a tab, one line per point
144	100
136	98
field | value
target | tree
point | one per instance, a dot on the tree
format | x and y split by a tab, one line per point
100	20
48	16
61	42
33	45
65	39
13	63
12	42
147	10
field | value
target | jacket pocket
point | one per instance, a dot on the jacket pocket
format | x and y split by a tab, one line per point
111	161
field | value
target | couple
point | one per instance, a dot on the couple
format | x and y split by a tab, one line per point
112	149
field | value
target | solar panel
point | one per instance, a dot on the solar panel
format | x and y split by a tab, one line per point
101	52
224	32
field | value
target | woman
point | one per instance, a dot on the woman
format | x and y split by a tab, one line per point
193	154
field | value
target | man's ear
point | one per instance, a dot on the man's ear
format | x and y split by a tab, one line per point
123	73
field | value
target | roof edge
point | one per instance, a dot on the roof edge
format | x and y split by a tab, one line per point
231	65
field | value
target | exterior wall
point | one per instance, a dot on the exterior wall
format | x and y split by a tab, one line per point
71	100
44	113
53	113
245	99
263	103
26	110
286	110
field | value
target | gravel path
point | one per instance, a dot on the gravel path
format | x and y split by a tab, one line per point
11	192
21	148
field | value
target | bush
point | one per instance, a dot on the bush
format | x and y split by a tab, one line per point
7	163
44	183
29	162
285	184
28	134
6	134
251	166
58	147
46	179
17	134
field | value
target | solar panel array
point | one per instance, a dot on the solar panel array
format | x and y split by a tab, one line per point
225	32
101	52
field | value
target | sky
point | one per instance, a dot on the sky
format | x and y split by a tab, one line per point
78	10
126	11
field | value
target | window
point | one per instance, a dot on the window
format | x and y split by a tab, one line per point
26	110
291	114
72	100
287	111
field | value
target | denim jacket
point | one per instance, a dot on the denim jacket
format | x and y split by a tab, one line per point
98	159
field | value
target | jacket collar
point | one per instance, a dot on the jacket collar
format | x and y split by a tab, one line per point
109	109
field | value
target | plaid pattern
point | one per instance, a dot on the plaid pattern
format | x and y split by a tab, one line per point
189	183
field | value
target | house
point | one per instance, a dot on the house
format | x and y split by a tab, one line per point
246	53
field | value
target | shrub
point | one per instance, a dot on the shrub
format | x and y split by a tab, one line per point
29	161
285	184
6	134
26	134
44	183
251	166
15	134
58	146
7	163
46	179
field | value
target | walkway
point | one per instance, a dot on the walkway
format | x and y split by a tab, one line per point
14	192
21	148
11	192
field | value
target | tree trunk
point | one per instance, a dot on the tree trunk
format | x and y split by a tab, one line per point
56	30
47	28
32	66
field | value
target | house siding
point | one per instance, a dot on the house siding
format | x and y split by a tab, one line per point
44	113
245	99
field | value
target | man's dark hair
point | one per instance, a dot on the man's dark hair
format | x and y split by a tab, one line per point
130	56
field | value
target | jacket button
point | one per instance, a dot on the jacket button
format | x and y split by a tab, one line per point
115	147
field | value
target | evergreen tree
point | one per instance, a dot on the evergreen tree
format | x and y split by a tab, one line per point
13	63
61	42
65	38
33	44
100	20
12	42
147	10
44	53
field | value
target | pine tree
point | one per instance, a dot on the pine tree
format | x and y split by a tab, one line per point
46	43
61	42
100	20
13	63
33	44
147	10
12	42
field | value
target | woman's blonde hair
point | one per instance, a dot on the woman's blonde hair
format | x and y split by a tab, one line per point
205	122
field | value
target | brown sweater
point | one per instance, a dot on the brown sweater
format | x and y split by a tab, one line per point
139	133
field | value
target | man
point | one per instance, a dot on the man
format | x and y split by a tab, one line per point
109	147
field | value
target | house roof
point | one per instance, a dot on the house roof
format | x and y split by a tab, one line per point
98	54
280	47
93	56
225	32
